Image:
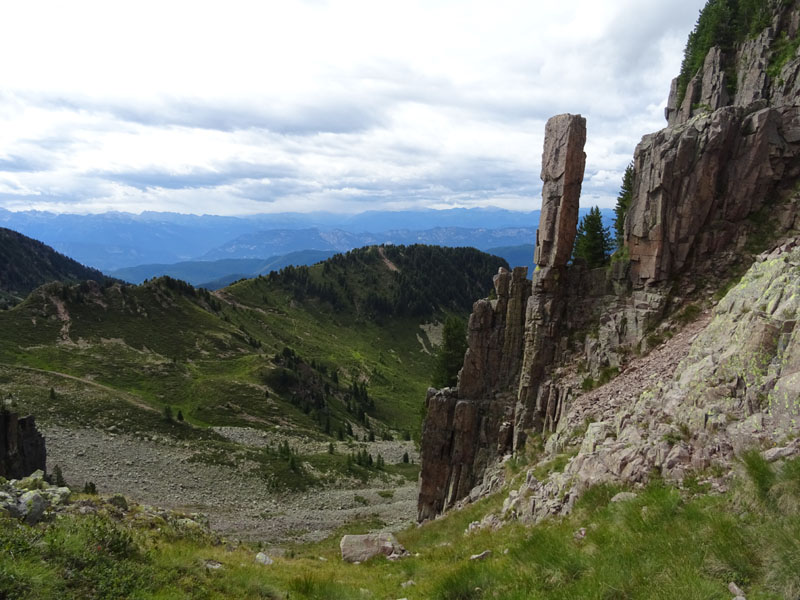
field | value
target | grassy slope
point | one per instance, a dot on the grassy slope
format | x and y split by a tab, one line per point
212	357
666	543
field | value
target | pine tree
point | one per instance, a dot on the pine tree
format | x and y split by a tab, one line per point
623	203
593	241
450	356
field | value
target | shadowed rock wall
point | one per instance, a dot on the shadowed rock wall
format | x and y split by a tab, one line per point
22	449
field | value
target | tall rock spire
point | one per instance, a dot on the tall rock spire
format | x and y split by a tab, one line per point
563	164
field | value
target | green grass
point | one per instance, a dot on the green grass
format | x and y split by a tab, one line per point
662	544
168	345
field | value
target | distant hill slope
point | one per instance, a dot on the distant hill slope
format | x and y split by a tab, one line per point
206	273
330	348
25	264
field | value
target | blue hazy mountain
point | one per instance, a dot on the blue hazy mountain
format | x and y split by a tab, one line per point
211	273
114	240
272	242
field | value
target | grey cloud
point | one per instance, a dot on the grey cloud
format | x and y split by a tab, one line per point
225	174
334	115
21	164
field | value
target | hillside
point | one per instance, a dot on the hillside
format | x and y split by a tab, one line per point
25	264
336	353
625	431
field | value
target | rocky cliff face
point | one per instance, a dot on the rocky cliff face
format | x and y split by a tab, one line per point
709	189
22	449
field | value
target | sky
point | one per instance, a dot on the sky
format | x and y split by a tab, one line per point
241	107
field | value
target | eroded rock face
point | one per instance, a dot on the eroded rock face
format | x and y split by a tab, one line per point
697	184
495	337
22	448
709	89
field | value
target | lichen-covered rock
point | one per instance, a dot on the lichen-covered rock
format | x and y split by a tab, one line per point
31	506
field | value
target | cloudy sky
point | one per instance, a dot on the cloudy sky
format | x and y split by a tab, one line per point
242	107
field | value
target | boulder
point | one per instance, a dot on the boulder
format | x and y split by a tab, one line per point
360	548
263	559
31	506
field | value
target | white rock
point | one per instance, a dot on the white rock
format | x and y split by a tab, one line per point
32	506
774	454
263	559
735	589
358	548
623	497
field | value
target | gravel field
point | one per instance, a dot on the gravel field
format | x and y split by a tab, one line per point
239	505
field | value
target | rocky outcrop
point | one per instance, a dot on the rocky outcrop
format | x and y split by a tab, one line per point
22	448
740	76
495	337
735	388
698	183
709	191
563	163
468	428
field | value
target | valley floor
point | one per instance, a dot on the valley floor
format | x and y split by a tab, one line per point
165	472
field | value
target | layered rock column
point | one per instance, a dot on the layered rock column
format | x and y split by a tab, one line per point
466	429
563	164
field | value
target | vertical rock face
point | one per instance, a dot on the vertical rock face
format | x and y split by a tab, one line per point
464	428
495	333
698	182
22	449
563	163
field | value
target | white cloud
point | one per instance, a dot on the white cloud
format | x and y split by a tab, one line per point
242	107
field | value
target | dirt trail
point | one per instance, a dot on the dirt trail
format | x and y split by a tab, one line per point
130	398
389	264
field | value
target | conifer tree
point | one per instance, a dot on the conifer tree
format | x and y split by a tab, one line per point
593	241
450	356
623	203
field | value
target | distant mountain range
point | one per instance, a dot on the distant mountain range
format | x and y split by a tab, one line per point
273	242
215	274
113	241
